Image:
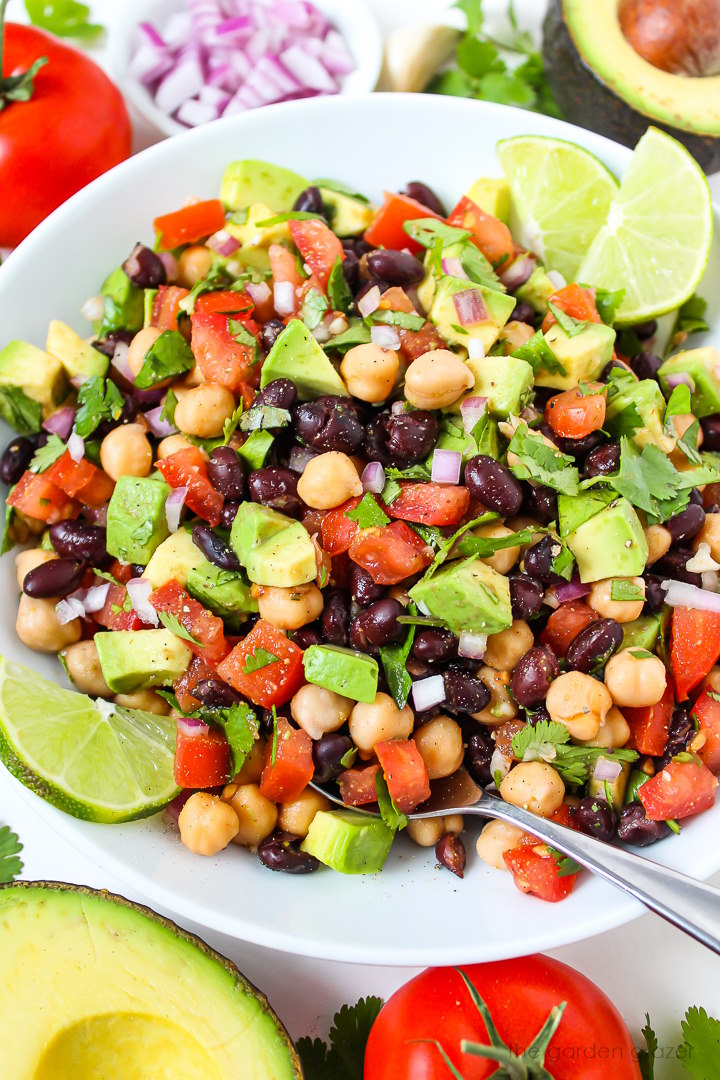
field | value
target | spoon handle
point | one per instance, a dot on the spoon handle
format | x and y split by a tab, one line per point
691	905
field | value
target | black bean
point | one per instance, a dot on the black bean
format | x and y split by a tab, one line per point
672	565
351	269
493	485
526	596
144	268
330	423
271	331
596	818
214	548
226	473
395	267
682	730
310	201
604	460
228	514
533	674
646	364
363	588
450	853
79	540
434	645
541	503
336	616
464	693
480	749
696	497
710	426
58	577
425	195
614	365
636	828
16	457
279	851
280	394
580	448
107	344
327	753
524	313
687	524
538	561
379	622
654	594
276	488
592	647
215	694
357	637
403	439
537	715
308	635
645	330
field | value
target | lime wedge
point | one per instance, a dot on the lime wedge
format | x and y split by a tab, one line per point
560	196
656	241
92	760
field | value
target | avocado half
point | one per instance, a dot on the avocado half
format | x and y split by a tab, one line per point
92	985
602	83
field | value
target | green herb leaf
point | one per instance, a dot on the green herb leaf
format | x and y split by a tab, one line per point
241	727
680	404
563	562
485	546
274	746
404	319
65	18
390	492
343	1058
47	455
216	279
691	317
650	481
572	327
701	1044
625	590
535	743
548	741
541	462
646	1057
357	333
426	231
313	309
231	423
20	411
259	417
98	399
8	541
389	812
243	336
175	627
289	215
348	757
477	57
257	659
394	661
10	847
368	513
168	356
338	290
413	472
565	864
168	409
473	13
256	447
539	355
607	303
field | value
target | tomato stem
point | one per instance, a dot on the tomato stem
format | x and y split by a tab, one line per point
16	87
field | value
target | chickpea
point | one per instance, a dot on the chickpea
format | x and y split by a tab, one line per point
126	451
535	786
506	648
427	831
194	377
38	626
288	608
253	765
709	534
25	561
373	723
622	611
204	410
83	668
437	379
207	824
147	700
496	838
440	744
319	711
194	264
173	444
658	542
504	559
614	731
579	702
257	816
635	679
329	480
140	346
502	706
514	334
370	372
296	817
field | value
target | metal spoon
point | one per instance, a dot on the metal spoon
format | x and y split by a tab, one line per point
690	905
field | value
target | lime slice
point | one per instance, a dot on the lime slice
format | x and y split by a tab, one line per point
561	195
656	241
93	760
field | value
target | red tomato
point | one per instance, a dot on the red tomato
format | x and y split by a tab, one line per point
285	778
202	760
188	468
118	613
576	302
337	530
537	874
39	498
219	356
565	624
75	119
386	228
681	789
430	504
166	306
358	786
284	265
573	416
707	711
120	571
191	223
405	772
396	299
226	301
81	480
650	725
490	234
318	245
694	647
276	682
207	629
520	995
388	554
184	686
414	343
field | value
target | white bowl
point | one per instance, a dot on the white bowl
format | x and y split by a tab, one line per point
352	18
412	913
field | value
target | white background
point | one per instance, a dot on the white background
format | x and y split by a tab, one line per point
644	967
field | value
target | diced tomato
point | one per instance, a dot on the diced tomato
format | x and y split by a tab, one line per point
221	358
386	228
166	306
226	301
358	786
490	234
707	711
283	265
274	683
121	571
694	647
118	613
396	299
537	874
202	760
206	629
187	468
405	772
337	530
564	815
184	686
289	774
81	480
414	343
191	223
681	789
430	504
565	624
573	416
650	724
388	554
576	302
39	498
318	245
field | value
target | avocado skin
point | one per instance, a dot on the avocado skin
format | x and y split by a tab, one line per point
585	100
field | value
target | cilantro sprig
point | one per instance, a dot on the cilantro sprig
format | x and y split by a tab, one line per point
389	812
535	460
342	1058
549	741
10	847
47	455
368	513
98	399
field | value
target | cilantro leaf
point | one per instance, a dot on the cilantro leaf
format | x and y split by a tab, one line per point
231	423
389	812
572	327
650	481
10	847
680	404
390	492
289	215
243	336
172	623
607	302
348	757
318	1062
216	279
394	661
691	316
565	864
260	417
625	590
98	399
539	355
646	1057
478	268
338	290
563	562
532	743
274	746
20	411
65	18
169	405
8	540
425	231
541	462
313	309
548	741
701	1044
368	513
404	319
350	1033
255	449
473	13
241	728
257	659
357	333
413	472
485	546
168	356
47	455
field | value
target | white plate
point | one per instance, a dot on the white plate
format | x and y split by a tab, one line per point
412	913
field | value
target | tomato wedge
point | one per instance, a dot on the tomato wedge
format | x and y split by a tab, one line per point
220	356
191	223
389	554
81	480
573	415
318	245
285	777
226	301
184	686
538	874
565	624
405	772
358	786
206	630
386	228
490	234
39	498
202	760
650	725
576	302
414	343
707	712
681	789
187	468
272	683
117	612
430	504
694	647
337	530
166	306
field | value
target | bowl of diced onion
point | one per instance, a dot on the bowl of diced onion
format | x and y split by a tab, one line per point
184	63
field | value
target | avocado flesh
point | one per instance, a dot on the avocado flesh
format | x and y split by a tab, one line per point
646	398
492	196
348	841
75	355
467	595
136	519
344	671
702	365
536	291
224	593
297	356
250	181
348	216
132	996
443	312
583	356
273	548
140	659
506	382
599	81
609	544
255	239
173	560
39	375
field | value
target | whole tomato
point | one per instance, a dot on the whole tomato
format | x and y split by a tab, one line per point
434	1013
73	127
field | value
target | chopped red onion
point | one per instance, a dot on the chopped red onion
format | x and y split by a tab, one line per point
557	279
299	457
139	590
369	302
470	307
120	360
76	447
518	272
454	268
709	580
172	810
606	770
572	591
446	465
77	380
181	83
173	507
69	609
550	598
160	427
476	348
472	645
373	477
92	599
472	409
171	265
309	72
284	297
335	55
150	63
428	692
258	292
190	727
93	308
681	594
397	408
193	113
386	337
499	764
338	325
152	35
223	243
680	378
61	422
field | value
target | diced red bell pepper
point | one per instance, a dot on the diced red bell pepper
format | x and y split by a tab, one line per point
430	504
358	786
707	712
191	223
405	772
184	686
221	358
81	480
337	529
565	623
386	228
166	306
272	684
576	302
117	612
188	468
37	497
694	647
537	874
319	246
226	301
390	554
206	629
414	343
650	724
681	789
202	760
289	774
490	234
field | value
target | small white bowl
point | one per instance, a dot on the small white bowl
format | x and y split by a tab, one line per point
352	18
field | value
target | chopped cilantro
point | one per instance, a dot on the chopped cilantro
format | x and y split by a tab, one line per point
607	302
625	590
343	1058
243	337
548	741
565	864
260	417
427	231
404	319
168	356
572	327
412	472
485	546
338	290
348	757
539	355
368	513
257	659
646	1057
289	215
313	309
691	317
217	278
390	492
680	404
168	409
394	661
562	563
231	423
541	462
273	748
389	812
255	448
357	333
174	625
98	399
19	410
650	481
47	455
241	728
10	847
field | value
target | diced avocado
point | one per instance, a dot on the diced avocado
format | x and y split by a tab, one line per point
138	659
249	181
296	355
76	356
643	633
148	305
344	671
39	375
226	594
348	841
703	367
636	780
466	595
255	239
597	790
348	216
574	510
273	548
536	291
136	519
443	312
254	524
452	438
492	196
646	398
173	560
610	544
256	448
506	381
583	356
124	305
